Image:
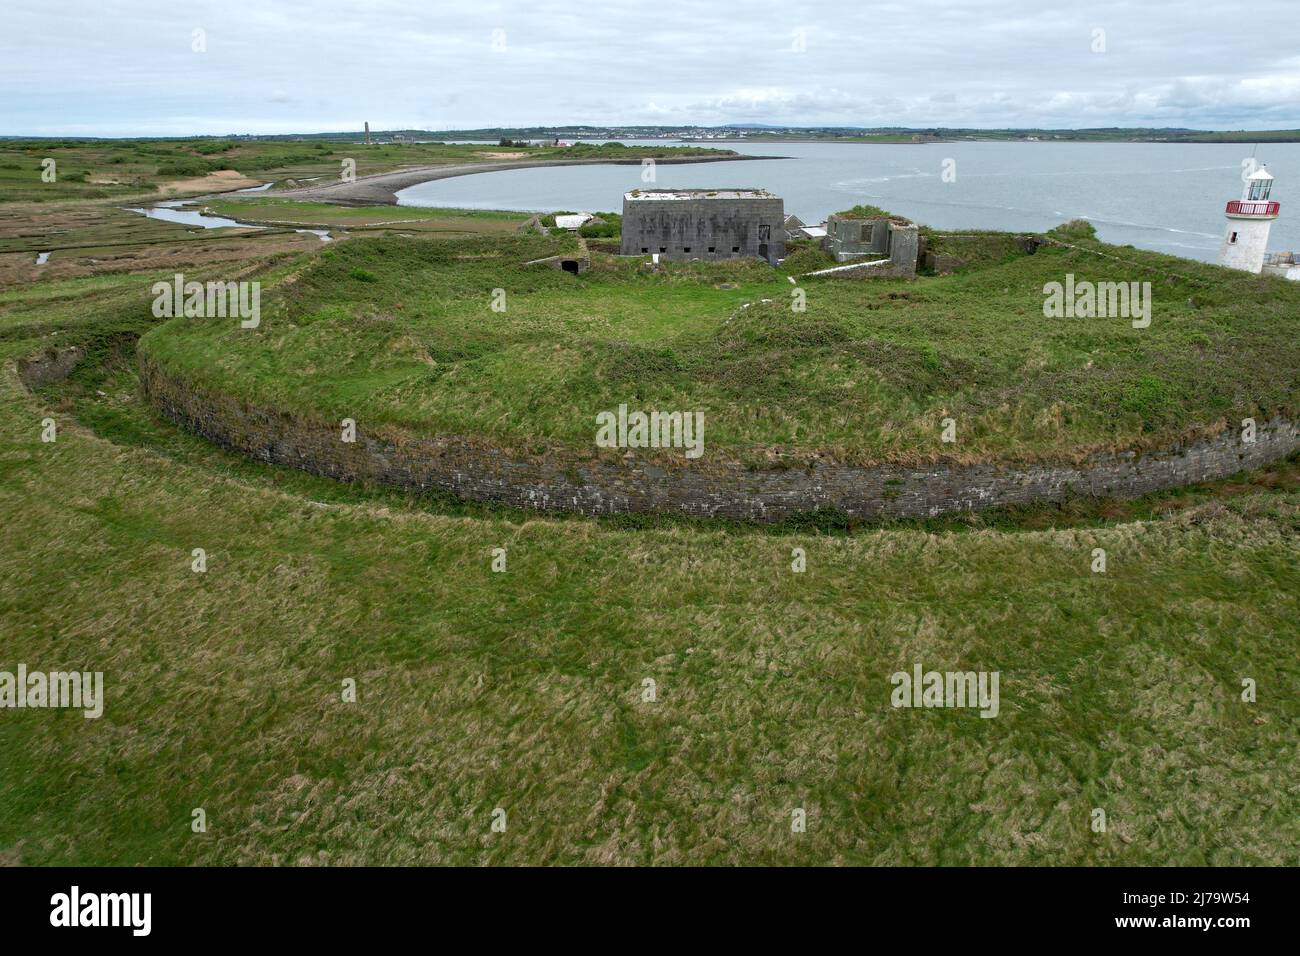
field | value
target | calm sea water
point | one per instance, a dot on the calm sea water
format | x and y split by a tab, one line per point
1158	196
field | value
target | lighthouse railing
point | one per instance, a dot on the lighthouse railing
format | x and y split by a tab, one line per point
1243	207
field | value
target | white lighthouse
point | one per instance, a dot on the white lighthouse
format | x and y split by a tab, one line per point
1249	218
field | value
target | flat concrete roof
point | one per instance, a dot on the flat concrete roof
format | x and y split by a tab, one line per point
572	222
657	194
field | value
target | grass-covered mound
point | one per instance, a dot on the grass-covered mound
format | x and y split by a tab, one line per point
400	335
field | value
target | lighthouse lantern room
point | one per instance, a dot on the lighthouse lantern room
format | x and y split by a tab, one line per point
1245	240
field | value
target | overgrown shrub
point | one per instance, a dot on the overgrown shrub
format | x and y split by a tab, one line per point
188	167
1075	229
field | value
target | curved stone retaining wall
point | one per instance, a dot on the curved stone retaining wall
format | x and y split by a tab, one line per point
478	471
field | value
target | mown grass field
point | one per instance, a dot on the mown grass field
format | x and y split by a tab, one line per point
523	690
401	335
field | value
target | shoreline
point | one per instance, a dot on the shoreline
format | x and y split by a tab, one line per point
380	189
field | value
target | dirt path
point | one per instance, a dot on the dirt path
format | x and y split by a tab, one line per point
381	189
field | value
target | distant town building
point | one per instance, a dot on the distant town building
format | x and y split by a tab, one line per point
1245	241
704	224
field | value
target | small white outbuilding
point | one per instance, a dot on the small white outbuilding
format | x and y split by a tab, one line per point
572	222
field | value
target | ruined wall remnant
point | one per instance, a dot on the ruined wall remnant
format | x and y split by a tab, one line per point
50	366
592	484
849	238
941	263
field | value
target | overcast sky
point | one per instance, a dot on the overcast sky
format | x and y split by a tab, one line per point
129	67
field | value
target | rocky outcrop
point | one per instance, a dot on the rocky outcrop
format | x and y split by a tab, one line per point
50	366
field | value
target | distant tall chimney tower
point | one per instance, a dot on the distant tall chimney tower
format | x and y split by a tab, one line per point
1249	220
367	132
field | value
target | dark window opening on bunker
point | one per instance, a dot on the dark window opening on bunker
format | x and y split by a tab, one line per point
569	265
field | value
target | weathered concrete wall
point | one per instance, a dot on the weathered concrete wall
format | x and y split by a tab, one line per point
608	484
704	228
846	238
941	263
905	246
849	239
1252	241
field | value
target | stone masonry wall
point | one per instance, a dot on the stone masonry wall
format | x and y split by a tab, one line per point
594	485
670	227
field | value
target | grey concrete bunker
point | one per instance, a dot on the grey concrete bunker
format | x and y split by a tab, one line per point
680	224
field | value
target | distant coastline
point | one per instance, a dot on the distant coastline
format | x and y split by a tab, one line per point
721	136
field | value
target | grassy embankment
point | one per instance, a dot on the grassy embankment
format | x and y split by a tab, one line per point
523	690
400	336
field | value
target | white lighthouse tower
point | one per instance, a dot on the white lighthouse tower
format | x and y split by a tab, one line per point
1249	219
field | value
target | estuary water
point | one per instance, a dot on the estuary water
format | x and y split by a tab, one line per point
1162	196
168	212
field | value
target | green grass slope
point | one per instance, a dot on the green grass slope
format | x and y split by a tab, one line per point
523	690
401	336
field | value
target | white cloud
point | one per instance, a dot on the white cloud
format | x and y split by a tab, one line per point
127	66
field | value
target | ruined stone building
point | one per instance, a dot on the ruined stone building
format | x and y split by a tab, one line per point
703	224
891	241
